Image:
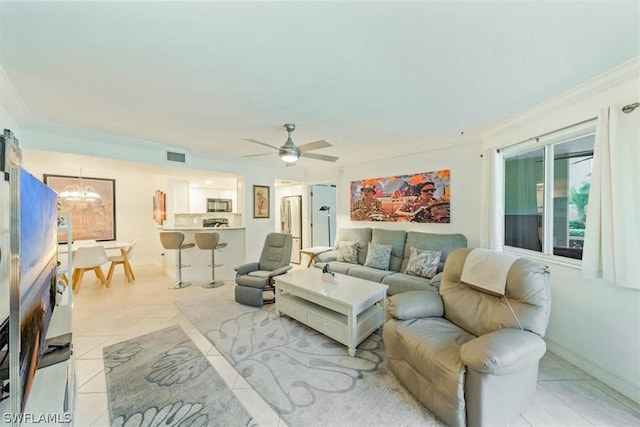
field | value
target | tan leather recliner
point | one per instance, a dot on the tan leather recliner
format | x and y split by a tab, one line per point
470	356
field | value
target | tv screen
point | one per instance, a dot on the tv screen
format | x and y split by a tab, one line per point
33	231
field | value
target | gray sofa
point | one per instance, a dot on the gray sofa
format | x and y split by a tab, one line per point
401	242
471	356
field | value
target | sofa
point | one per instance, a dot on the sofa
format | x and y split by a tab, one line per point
396	274
470	352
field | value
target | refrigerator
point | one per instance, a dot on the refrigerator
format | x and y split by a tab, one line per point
291	222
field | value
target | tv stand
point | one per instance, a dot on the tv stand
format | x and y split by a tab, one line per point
57	349
54	385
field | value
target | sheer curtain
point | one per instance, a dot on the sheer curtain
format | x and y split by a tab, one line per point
612	237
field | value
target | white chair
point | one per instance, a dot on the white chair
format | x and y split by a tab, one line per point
124	258
88	258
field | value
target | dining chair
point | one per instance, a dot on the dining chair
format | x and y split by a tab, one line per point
124	258
87	258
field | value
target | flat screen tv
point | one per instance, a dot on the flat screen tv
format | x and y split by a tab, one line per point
33	244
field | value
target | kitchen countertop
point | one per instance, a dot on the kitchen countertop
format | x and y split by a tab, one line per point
202	228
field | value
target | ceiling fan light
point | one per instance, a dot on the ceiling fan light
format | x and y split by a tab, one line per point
289	157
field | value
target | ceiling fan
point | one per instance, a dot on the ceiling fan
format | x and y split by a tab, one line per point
290	153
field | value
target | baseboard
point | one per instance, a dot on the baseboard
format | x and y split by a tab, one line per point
622	386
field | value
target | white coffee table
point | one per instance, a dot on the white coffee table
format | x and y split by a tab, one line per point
348	311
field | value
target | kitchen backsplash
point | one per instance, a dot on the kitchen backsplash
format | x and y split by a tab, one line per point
195	219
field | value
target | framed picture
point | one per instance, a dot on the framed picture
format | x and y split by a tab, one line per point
92	203
159	207
261	201
423	197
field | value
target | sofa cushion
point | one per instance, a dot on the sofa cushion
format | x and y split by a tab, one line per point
423	263
348	251
395	238
325	257
378	256
368	273
337	266
361	235
444	243
400	282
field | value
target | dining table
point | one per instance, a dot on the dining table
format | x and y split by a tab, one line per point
108	245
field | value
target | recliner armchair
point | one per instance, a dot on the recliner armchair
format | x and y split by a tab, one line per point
254	278
471	355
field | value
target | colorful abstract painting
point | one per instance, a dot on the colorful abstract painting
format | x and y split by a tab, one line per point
420	197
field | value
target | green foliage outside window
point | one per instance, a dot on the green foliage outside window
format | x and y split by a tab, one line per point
579	198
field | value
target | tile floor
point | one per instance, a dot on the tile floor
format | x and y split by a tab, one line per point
566	395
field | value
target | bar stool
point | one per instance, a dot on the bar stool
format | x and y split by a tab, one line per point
211	241
174	240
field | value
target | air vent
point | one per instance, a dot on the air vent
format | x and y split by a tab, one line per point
173	156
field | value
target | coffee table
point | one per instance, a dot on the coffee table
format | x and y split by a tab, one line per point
348	311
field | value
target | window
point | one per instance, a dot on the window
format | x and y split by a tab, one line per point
546	191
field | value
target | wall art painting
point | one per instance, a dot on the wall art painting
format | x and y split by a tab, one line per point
420	197
260	201
160	207
92	203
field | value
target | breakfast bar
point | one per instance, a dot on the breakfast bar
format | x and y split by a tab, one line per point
199	261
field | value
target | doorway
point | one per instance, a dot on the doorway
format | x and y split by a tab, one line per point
291	222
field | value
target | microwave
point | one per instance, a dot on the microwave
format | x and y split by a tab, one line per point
219	205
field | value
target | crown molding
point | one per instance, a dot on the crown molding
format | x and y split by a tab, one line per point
13	102
626	71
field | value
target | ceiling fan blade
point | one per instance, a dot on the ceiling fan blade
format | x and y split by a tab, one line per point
262	143
319	157
258	155
315	145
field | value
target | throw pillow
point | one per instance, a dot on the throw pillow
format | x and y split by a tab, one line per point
423	263
378	256
348	251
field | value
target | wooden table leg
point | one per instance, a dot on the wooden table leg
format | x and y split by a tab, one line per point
128	272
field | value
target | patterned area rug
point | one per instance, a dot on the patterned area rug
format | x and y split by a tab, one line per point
162	379
309	379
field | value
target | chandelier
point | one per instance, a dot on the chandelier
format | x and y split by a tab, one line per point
79	193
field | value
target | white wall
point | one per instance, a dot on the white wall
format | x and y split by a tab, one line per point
135	188
593	324
464	162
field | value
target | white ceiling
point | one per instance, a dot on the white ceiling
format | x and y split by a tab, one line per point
372	78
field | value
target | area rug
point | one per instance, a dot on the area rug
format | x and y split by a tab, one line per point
309	379
162	379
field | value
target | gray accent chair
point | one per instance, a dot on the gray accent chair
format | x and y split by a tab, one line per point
461	351
254	278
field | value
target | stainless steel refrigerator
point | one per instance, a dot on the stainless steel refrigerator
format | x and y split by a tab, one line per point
291	222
